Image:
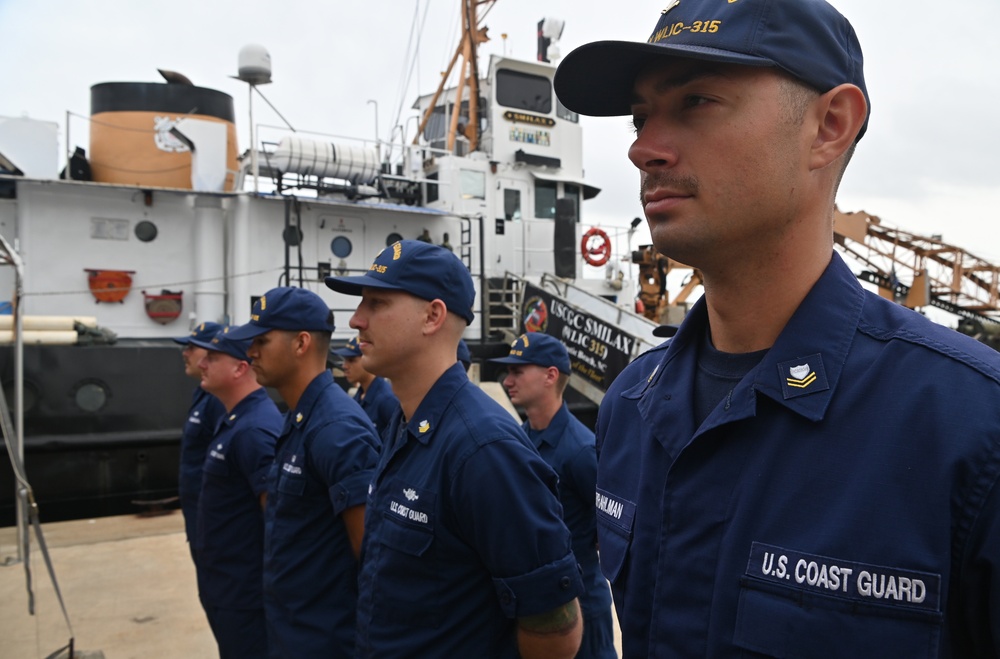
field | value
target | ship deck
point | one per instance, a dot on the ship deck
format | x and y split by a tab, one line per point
129	588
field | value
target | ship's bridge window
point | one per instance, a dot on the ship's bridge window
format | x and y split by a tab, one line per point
545	199
439	122
573	192
512	205
524	91
473	184
565	113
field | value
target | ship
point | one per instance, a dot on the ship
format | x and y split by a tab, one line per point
161	222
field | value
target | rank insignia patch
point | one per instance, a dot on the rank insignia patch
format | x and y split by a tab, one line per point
802	376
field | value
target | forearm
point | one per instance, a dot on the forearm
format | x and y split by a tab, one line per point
552	635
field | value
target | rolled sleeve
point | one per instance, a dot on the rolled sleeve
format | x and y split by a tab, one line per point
351	491
540	590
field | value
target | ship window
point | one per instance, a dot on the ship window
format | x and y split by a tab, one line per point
439	121
146	231
473	184
433	194
91	396
545	199
341	247
573	192
292	236
524	91
565	113
392	239
512	205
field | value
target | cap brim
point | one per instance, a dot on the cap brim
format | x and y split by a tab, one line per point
353	285
597	78
665	331
183	340
515	360
345	353
248	331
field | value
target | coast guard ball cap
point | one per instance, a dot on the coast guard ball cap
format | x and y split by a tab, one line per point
425	270
350	349
223	342
539	349
807	38
286	308
203	332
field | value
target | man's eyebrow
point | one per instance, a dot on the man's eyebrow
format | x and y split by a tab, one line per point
680	79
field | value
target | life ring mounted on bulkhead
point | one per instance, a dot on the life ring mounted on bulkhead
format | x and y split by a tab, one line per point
596	252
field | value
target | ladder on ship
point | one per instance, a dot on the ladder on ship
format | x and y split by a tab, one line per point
505	309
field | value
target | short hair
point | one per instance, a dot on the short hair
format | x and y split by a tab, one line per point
322	340
796	96
561	383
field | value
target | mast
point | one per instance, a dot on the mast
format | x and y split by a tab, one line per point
472	36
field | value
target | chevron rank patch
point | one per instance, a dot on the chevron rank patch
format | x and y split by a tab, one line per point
802	376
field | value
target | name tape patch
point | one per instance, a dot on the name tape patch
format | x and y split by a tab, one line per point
615	510
862	582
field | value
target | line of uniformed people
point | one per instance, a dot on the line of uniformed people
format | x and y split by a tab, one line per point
276	534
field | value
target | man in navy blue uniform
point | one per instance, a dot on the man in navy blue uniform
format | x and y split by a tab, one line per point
374	394
230	529
538	371
465	553
806	469
316	489
203	417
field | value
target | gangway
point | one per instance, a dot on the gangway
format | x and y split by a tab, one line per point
602	337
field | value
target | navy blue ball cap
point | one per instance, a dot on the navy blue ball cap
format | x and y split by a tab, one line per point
809	39
464	355
350	349
427	271
203	332
286	308
224	342
539	349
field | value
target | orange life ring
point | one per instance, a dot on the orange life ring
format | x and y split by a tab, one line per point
598	254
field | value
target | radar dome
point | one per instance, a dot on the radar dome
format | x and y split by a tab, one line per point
254	65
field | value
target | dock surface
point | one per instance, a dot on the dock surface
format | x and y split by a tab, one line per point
129	587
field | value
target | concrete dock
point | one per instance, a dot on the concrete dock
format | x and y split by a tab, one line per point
129	587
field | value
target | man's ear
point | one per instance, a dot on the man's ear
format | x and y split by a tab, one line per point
841	114
436	312
301	343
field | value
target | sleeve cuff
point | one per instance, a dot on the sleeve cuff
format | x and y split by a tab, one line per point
350	492
540	590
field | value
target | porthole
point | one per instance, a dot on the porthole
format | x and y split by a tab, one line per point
91	396
341	247
292	236
146	231
392	238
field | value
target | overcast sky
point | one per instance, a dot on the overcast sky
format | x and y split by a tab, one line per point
930	162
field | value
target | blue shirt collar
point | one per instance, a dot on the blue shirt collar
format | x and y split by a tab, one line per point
427	418
802	368
300	415
554	431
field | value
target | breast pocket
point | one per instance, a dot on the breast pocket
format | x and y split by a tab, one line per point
615	519
776	621
410	580
216	467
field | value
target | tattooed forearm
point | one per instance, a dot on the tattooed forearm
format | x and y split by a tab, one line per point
561	620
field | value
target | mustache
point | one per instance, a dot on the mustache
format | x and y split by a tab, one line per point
684	185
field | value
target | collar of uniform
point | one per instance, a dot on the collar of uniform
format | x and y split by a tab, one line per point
554	431
819	334
240	408
427	418
308	399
